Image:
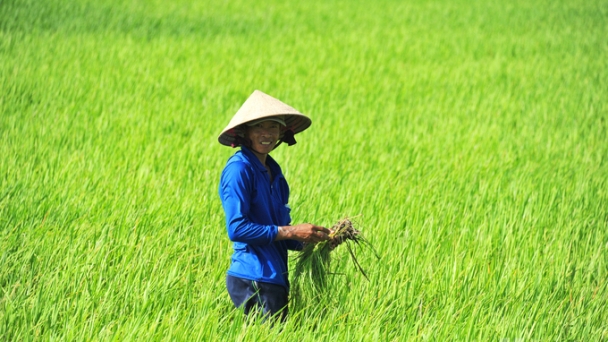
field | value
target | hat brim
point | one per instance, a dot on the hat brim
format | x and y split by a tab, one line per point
294	122
259	106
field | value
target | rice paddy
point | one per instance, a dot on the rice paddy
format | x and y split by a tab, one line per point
468	138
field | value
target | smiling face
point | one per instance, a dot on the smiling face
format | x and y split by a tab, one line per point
264	136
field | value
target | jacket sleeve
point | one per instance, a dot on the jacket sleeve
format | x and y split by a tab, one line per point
236	187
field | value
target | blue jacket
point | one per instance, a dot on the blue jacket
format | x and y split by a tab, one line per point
255	209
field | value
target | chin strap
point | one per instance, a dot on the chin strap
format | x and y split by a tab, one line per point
238	141
288	137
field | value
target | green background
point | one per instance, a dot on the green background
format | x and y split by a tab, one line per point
468	138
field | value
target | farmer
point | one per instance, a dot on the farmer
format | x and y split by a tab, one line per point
255	198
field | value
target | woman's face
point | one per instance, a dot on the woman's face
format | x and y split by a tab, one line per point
263	136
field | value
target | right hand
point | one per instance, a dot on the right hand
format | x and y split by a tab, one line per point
304	232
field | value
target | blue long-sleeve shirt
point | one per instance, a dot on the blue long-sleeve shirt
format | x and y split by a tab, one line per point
254	209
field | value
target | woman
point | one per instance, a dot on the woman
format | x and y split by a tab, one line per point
255	198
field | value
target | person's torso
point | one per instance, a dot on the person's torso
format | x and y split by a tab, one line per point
268	206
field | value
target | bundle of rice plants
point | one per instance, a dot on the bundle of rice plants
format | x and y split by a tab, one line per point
313	262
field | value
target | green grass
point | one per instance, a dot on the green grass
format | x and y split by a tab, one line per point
469	135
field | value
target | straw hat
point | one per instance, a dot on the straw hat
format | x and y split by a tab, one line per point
259	106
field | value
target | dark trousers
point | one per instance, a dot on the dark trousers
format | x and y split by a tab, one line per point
270	299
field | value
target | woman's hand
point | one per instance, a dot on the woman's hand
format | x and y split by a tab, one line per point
304	232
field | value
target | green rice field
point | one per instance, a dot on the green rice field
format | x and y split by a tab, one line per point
468	139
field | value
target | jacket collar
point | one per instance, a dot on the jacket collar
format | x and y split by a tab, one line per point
253	159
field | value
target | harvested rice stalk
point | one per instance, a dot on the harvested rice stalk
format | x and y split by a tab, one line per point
312	267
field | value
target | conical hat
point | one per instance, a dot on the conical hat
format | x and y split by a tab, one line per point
258	106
